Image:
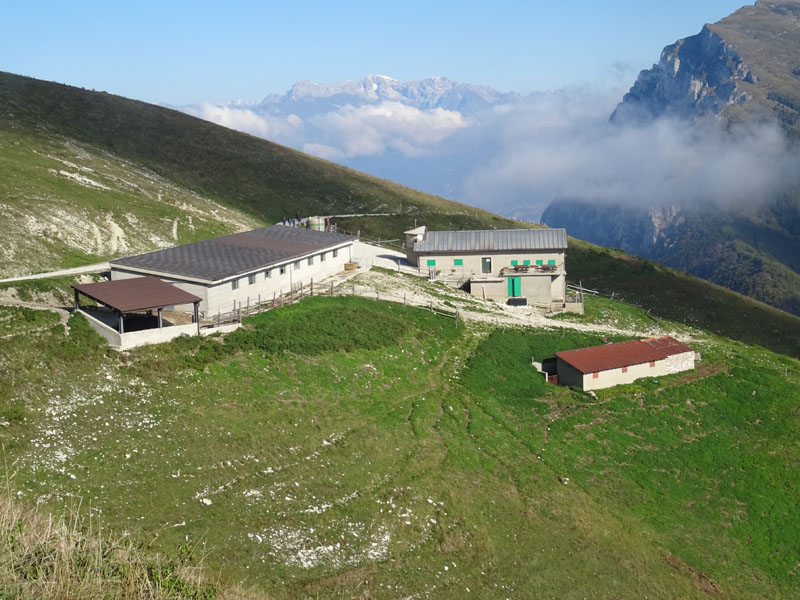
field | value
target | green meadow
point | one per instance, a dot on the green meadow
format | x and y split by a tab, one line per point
345	447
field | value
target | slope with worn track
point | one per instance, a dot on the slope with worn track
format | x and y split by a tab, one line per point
92	161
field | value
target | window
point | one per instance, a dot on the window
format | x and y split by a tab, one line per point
431	262
335	253
540	262
552	261
266	274
296	265
486	265
526	262
514	263
595	375
652	363
624	369
282	270
235	284
322	257
251	279
310	260
458	262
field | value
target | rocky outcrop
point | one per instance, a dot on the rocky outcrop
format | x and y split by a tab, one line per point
696	77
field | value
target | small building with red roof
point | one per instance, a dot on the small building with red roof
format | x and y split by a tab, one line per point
616	364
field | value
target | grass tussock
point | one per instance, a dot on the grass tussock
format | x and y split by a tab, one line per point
43	557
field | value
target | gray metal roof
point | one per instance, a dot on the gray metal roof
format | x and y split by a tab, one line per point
493	239
230	255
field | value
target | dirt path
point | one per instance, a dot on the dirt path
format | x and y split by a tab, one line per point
95	268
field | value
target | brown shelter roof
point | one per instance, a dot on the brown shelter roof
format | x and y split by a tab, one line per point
623	354
138	293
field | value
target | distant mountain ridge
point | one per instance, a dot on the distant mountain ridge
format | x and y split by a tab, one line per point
306	97
743	70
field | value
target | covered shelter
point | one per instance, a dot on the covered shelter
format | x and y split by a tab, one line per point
137	295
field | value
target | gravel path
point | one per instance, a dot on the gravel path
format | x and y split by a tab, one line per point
95	268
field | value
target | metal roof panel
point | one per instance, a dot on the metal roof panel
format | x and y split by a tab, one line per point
497	240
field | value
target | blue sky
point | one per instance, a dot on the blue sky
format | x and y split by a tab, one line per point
181	52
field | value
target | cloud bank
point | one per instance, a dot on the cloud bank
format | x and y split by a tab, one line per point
515	159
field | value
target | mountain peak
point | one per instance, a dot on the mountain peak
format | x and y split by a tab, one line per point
741	66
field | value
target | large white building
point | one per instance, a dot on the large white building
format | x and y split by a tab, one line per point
496	264
238	269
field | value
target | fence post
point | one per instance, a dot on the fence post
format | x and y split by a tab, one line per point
404	299
247	310
331	289
456	318
312	286
217	317
353	289
377	294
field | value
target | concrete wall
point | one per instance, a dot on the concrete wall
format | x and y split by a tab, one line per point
221	297
124	341
568	375
611	377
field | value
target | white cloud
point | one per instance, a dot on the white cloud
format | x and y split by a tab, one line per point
516	158
285	130
369	130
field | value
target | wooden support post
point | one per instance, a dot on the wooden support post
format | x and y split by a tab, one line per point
217	317
331	289
77	302
247	310
312	286
259	303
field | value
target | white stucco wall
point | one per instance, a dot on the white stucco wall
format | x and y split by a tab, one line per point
611	377
222	297
472	261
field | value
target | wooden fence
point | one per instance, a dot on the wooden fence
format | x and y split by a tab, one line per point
299	292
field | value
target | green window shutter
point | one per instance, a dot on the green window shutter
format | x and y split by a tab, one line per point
526	262
458	262
514	263
431	262
539	262
552	261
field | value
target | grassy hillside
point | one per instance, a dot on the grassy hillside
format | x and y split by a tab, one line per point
258	178
65	204
311	457
680	297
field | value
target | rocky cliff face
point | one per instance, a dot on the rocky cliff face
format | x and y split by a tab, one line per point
744	65
743	69
696	77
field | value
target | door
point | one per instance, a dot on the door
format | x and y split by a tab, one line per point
514	287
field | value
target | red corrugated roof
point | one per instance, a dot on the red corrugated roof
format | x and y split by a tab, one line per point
623	354
137	293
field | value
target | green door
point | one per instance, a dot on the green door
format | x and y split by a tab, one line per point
514	287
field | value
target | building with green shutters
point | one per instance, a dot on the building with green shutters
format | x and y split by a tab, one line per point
518	266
